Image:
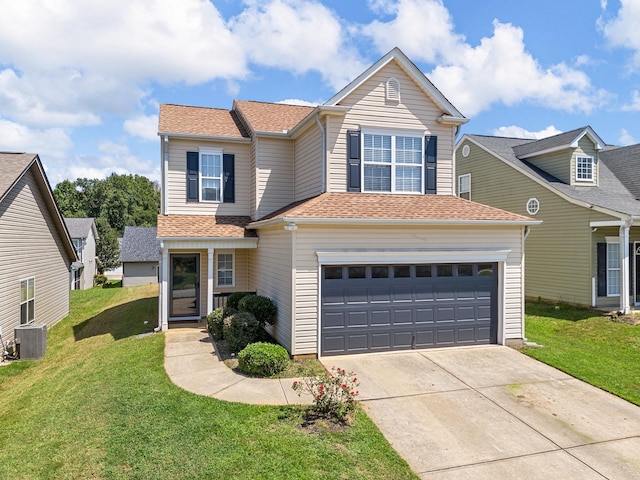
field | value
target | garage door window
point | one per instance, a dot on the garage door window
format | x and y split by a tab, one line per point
401	271
381	271
465	270
444	270
423	271
357	272
485	270
333	273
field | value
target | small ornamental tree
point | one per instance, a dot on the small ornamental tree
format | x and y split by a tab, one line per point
334	394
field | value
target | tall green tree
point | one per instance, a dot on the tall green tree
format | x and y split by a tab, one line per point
107	247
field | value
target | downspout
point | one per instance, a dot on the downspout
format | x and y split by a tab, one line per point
162	292
324	154
165	170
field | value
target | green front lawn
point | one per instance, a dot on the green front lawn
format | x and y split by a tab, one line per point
101	406
587	345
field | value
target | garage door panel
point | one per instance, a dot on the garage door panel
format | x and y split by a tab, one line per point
383	309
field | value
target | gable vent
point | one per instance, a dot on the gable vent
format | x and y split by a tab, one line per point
393	90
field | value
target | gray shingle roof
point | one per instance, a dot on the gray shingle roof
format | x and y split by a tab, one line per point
140	244
610	193
624	162
532	146
79	227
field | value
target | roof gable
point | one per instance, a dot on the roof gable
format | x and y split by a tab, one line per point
13	166
81	227
561	141
140	244
451	114
263	117
199	121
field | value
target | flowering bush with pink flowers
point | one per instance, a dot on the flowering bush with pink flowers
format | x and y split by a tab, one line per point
334	393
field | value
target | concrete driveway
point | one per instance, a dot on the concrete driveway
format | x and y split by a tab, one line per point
492	412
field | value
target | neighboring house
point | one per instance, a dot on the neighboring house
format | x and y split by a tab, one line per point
587	250
344	214
36	252
83	234
139	255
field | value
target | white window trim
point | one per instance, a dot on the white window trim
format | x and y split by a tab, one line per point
393	134
233	267
530	203
28	300
612	241
592	161
460	177
210	151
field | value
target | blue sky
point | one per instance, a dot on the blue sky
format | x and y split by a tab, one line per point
80	82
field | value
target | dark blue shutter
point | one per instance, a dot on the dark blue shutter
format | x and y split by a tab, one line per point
353	160
430	156
602	269
192	176
228	172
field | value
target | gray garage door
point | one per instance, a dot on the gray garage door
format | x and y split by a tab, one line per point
394	307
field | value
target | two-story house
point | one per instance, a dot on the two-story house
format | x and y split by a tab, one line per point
587	249
83	235
344	214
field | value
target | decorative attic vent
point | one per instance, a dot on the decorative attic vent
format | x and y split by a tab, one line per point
393	90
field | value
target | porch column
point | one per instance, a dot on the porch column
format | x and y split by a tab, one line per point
163	321
210	281
625	307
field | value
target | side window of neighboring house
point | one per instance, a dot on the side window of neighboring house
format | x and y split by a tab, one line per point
77	244
225	277
379	161
210	176
464	186
27	300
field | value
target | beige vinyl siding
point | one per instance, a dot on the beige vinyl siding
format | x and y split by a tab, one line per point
89	261
308	164
253	192
558	252
31	246
274	175
585	148
177	179
240	273
369	108
272	275
139	273
311	239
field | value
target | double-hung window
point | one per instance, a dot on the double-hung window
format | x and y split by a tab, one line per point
613	269
27	300
392	163
225	270
211	176
464	186
584	168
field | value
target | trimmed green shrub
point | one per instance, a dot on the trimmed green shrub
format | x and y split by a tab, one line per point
214	323
234	299
99	279
239	330
263	359
261	307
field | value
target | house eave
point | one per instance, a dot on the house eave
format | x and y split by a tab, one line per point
388	222
193	136
451	120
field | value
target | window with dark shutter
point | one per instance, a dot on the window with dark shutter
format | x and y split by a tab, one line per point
602	269
192	176
430	163
228	171
353	160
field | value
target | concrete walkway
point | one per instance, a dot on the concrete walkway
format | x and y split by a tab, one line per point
455	413
192	363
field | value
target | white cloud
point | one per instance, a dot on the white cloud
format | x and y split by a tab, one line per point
626	138
634	105
498	70
514	131
297	36
297	101
143	126
19	138
622	30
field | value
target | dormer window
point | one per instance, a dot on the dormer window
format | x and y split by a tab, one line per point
584	168
393	90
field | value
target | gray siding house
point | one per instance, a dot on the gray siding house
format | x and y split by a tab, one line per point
83	234
36	252
139	255
587	249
